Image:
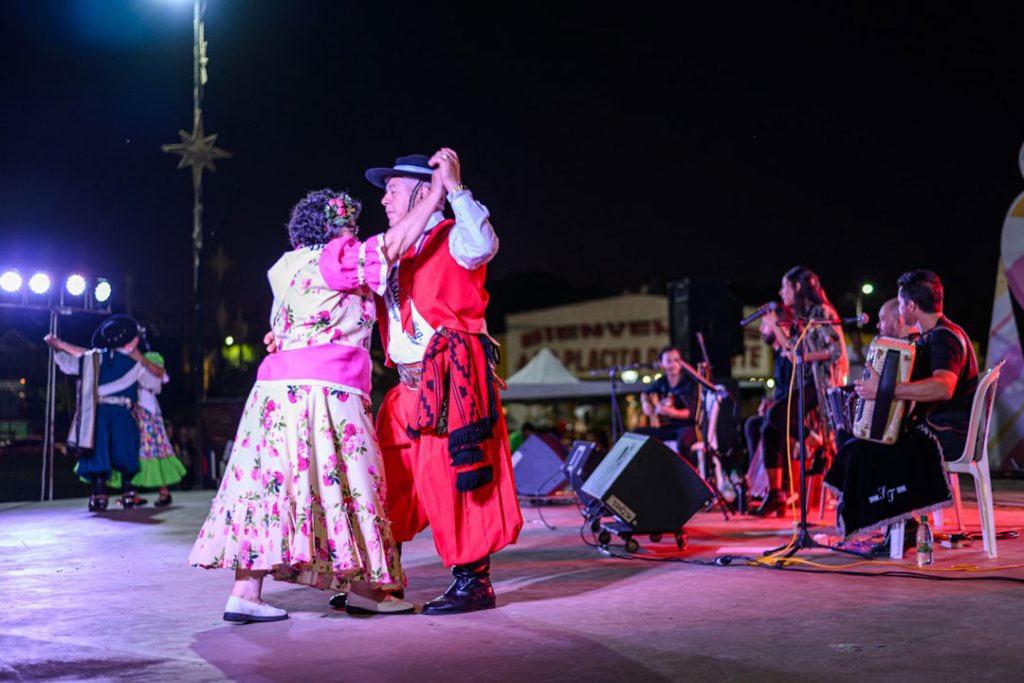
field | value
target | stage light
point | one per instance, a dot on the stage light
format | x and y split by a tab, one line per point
770	383
867	288
39	283
75	285
10	281
646	379
229	340
102	292
630	376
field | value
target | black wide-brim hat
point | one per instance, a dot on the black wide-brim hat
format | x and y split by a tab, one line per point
115	332
413	166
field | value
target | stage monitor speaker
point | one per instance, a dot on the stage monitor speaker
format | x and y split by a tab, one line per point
706	306
647	485
581	463
538	466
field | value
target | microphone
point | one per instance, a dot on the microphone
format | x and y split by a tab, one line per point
759	313
861	319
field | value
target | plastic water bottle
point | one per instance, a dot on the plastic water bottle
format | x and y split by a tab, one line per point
925	543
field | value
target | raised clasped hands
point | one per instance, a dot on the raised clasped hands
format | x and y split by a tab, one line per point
447	168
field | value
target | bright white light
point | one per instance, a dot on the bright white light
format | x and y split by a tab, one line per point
867	288
630	376
229	340
75	285
770	383
39	283
10	281
102	292
646	379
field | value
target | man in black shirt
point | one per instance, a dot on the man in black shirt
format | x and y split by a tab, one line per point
880	484
670	402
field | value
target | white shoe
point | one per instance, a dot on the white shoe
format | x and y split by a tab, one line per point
357	604
244	611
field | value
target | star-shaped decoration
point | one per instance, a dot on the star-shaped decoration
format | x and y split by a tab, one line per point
221	263
197	149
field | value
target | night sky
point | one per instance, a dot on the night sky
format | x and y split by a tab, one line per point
613	148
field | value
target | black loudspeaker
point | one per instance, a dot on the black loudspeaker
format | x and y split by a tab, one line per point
647	485
581	463
538	466
705	306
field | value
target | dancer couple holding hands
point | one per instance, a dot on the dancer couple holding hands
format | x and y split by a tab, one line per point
313	493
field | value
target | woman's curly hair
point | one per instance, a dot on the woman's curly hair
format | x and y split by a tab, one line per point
321	215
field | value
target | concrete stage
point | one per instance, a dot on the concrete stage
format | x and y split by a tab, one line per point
109	597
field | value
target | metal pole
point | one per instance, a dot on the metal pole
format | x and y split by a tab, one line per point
198	7
52	391
48	418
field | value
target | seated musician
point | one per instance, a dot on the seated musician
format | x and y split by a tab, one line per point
670	402
879	484
825	366
891	322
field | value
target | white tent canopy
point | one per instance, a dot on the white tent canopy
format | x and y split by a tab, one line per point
545	378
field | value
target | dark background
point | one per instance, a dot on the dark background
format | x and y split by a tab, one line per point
615	148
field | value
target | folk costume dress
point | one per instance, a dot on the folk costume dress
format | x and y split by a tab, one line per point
303	493
158	464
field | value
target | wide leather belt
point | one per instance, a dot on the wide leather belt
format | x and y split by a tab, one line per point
115	401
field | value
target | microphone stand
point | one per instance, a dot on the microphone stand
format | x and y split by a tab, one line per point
613	379
803	536
702	434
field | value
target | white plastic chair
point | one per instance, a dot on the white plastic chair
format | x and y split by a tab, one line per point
973	461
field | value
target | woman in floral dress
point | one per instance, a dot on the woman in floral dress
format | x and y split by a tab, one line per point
302	497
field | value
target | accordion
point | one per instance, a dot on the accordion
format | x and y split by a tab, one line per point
879	420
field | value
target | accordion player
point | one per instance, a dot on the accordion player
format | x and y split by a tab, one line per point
879	419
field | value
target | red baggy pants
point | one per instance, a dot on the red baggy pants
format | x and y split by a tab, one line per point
467	525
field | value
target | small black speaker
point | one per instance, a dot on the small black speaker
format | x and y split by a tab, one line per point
538	466
581	463
647	485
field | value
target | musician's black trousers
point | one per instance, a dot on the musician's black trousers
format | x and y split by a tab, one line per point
773	426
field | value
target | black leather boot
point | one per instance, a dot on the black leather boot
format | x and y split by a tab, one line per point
470	591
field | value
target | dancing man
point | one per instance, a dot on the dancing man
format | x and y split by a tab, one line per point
879	484
441	430
104	429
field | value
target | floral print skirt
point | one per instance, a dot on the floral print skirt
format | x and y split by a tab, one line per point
158	465
303	492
